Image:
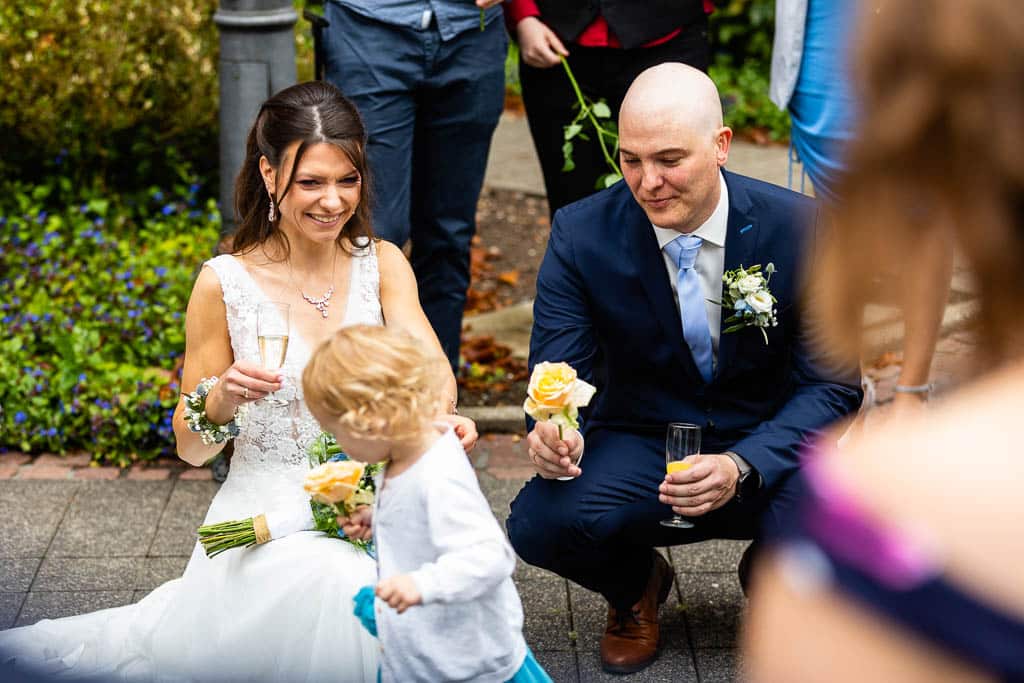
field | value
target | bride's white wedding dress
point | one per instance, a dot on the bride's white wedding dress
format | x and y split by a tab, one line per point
276	612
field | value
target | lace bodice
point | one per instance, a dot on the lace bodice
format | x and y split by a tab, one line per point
269	459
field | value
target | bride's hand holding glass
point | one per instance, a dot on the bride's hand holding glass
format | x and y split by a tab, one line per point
243	382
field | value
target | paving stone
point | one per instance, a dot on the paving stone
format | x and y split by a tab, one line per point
719	555
15	458
673	665
111	519
10	604
714	604
8	471
527	572
154	571
96	473
16	574
546	624
718	665
197	474
142	473
69	460
57	604
29	514
45	472
560	665
184	513
499	494
87	574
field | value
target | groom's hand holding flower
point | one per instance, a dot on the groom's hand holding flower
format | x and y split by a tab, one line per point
708	484
552	456
553	399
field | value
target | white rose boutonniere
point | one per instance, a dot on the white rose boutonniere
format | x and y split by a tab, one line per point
746	295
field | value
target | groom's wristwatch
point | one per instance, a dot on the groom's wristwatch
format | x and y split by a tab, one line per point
749	482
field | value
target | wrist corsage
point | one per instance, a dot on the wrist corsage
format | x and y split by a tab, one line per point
195	415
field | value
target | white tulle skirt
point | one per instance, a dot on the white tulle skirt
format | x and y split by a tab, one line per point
277	612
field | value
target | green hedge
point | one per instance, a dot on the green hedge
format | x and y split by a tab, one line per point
116	93
741	42
93	298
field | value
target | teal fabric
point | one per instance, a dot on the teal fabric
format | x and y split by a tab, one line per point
364	609
530	671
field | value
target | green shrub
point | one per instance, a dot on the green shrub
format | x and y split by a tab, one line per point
741	43
113	93
92	299
117	89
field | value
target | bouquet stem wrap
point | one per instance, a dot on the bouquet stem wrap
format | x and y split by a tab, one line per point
337	485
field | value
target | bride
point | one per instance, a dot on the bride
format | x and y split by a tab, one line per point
280	611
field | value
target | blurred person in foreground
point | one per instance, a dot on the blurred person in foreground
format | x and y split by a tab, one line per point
903	562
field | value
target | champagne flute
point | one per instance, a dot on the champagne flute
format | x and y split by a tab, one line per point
682	440
272	333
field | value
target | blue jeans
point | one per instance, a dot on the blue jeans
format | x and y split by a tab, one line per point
430	109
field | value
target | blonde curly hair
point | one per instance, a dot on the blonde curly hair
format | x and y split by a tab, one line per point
376	382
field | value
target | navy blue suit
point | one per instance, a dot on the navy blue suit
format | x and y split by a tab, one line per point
604	305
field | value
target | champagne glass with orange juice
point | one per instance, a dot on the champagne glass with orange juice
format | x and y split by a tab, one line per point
681	441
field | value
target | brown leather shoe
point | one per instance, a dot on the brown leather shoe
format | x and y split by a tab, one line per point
630	641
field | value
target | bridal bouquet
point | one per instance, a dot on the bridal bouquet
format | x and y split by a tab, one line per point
555	395
337	485
745	293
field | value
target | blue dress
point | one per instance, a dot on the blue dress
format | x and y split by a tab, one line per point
822	107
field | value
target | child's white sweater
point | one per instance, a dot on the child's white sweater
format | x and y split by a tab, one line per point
433	522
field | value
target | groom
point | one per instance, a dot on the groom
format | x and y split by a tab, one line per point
624	296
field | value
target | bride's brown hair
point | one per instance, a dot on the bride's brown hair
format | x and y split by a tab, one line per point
307	113
938	155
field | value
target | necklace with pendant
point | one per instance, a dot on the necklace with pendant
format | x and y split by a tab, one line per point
322	302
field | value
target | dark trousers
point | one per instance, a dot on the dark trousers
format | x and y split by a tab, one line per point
601	72
598	530
430	109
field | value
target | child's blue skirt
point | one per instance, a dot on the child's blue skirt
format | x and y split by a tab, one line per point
529	672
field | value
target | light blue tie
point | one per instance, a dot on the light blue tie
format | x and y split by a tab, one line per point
683	251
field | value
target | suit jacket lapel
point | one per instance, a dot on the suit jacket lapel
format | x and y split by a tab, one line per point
650	267
740	250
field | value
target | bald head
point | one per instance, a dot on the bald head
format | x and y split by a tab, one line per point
672	144
676	93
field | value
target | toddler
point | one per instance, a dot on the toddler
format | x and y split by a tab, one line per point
446	608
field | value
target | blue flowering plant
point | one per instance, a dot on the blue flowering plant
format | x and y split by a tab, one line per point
337	486
93	290
745	295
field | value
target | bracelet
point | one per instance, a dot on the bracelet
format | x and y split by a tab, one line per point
195	415
913	388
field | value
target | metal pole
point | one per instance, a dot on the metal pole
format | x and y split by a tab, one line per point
257	59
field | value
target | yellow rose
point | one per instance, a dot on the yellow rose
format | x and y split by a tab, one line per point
554	390
333	482
551	385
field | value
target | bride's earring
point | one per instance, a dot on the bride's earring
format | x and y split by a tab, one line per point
271	214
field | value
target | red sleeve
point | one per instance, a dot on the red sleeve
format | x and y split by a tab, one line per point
517	10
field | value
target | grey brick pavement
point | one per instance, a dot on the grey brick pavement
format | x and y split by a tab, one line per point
68	547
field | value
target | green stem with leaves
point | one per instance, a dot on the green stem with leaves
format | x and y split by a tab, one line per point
586	107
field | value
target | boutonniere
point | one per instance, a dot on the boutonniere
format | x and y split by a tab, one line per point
745	292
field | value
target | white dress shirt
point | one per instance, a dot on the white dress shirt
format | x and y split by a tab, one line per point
710	263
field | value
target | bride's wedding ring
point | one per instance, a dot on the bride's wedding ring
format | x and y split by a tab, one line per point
245	392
